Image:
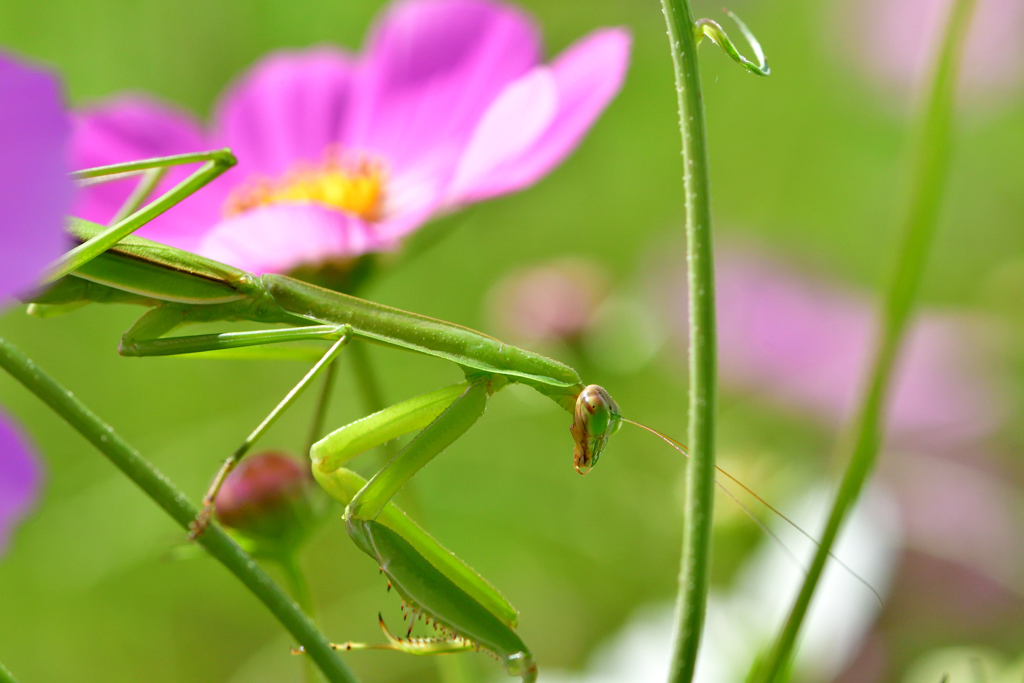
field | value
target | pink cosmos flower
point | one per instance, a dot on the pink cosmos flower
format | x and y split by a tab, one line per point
340	155
35	194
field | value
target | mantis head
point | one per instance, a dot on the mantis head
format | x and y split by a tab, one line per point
595	419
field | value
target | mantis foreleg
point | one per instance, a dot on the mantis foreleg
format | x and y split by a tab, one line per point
434	583
456	419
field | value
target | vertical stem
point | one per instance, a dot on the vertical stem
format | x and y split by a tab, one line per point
366	379
691	602
928	176
174	503
455	668
297	584
299	587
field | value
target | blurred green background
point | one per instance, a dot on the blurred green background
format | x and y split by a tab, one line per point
806	163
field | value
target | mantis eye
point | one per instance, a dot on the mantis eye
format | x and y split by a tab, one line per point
595	419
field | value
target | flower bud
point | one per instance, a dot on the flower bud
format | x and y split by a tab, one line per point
272	501
553	302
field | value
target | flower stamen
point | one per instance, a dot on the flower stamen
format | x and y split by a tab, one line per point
353	188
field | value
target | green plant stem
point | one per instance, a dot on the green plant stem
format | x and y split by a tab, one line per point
928	176
298	584
455	668
5	675
174	503
691	602
299	587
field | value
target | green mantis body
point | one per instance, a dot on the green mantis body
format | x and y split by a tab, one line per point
180	287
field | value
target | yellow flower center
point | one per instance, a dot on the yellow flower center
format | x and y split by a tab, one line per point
353	188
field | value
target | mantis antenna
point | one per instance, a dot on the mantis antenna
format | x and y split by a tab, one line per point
682	449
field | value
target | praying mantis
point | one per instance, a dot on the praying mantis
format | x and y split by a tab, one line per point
181	288
111	266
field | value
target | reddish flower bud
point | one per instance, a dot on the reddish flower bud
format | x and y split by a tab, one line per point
272	500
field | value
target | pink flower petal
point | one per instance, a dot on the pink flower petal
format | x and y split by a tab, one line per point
289	108
35	191
20	478
433	68
413	102
510	149
132	128
418	205
280	237
522	113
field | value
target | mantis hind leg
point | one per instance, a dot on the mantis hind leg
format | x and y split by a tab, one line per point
214	164
200	523
144	339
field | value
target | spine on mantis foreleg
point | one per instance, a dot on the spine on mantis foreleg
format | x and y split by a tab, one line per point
432	581
343	484
431	593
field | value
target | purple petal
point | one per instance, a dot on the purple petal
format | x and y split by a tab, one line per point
20	478
433	68
291	107
35	190
280	237
538	120
133	128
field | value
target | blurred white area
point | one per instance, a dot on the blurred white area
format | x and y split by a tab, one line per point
742	621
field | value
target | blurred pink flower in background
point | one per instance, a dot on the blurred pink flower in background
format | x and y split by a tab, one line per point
968	515
555	301
893	41
806	344
35	193
340	155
